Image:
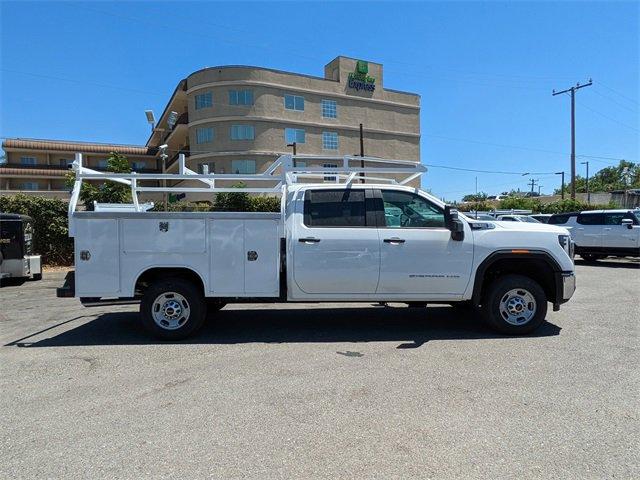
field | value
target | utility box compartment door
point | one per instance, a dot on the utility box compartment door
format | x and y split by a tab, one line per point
97	257
227	257
262	266
159	235
244	258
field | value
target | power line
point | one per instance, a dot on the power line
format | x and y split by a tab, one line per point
621	105
618	93
608	117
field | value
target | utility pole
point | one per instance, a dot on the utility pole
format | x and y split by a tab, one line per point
562	190
539	189
532	182
587	183
362	153
573	90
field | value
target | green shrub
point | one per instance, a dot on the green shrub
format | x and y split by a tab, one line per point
51	238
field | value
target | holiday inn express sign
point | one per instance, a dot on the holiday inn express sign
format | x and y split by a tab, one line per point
360	79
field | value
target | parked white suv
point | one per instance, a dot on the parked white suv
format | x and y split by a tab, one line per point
601	233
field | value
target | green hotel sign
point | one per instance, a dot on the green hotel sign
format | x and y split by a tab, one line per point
360	79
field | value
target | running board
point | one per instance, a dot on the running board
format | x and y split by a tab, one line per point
105	302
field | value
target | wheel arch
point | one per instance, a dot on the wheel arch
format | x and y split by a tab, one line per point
153	274
535	264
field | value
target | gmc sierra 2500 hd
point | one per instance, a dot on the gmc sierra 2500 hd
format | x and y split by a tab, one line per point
336	241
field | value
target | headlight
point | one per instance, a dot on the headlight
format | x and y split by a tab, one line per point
566	243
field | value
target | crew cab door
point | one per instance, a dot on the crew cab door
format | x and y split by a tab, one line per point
588	231
335	247
616	235
417	253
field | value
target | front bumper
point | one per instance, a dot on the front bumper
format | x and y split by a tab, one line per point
568	285
565	287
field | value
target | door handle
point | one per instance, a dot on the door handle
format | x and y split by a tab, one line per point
394	240
607	229
309	240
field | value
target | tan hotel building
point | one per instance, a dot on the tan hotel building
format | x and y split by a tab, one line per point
239	119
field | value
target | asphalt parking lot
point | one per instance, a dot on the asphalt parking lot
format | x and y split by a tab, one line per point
317	391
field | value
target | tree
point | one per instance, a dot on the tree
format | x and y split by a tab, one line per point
607	179
107	192
475	197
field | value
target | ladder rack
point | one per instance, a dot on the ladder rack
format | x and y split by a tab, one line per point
286	171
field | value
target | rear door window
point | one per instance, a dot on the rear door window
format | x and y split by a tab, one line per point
559	219
591	219
335	208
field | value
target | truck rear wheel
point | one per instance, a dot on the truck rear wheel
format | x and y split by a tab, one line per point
172	309
515	305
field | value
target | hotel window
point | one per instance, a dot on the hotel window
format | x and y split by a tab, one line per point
242	132
28	160
294	102
296	135
138	166
204	100
204	135
65	162
329	140
103	163
240	97
30	186
329	109
244	167
211	165
329	178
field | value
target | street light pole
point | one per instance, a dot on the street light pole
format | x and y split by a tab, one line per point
294	146
562	190
587	183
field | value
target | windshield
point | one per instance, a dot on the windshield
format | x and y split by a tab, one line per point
529	219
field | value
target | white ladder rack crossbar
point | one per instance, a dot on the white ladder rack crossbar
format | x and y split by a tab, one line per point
283	172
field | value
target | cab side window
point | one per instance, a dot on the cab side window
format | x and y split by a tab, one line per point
335	208
591	219
407	210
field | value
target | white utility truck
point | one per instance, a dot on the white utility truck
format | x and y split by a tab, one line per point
353	236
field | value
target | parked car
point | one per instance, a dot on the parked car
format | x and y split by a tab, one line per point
541	217
601	233
330	242
480	216
17	259
517	218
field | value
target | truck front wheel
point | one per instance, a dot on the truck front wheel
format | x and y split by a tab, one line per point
515	305
172	309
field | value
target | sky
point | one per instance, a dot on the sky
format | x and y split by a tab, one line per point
485	72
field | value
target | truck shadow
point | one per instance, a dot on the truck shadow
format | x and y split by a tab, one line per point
412	327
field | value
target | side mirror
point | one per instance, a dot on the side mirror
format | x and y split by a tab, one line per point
453	223
628	222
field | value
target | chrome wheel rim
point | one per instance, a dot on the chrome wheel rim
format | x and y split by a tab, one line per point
170	310
517	306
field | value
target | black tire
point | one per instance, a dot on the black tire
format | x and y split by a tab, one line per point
172	312
37	276
590	257
516	324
